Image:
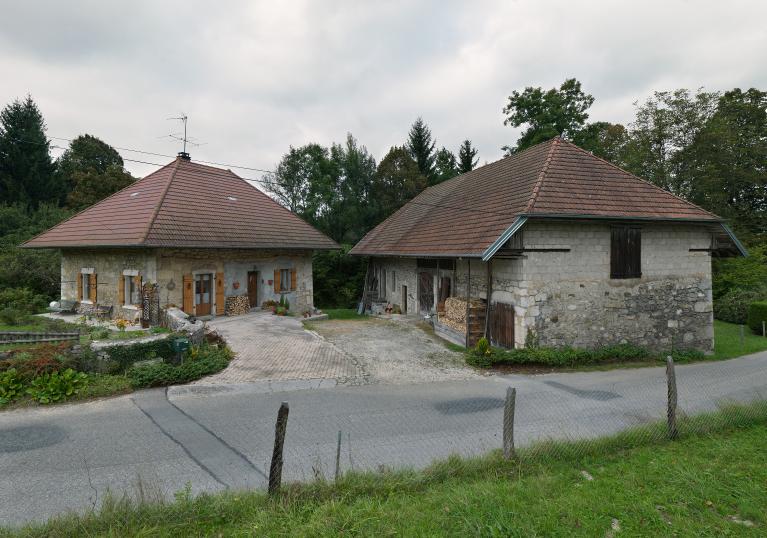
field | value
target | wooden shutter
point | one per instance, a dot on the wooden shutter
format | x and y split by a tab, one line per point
276	280
121	290
220	301
79	287
94	284
625	252
188	305
293	279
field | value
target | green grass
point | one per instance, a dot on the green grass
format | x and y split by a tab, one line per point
727	341
700	485
343	313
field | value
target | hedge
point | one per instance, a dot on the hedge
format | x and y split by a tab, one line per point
757	314
126	355
202	361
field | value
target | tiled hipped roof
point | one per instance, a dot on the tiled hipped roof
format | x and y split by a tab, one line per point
465	215
185	204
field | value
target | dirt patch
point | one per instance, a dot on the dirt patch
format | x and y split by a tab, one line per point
396	351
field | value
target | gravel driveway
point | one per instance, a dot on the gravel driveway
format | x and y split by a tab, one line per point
395	352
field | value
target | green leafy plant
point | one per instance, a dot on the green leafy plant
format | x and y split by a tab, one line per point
11	386
57	386
733	305
201	361
99	333
757	315
125	356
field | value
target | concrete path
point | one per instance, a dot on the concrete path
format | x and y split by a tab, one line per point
216	437
278	348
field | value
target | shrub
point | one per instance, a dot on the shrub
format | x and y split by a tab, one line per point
23	300
564	356
57	386
733	306
757	314
269	304
125	356
11	386
203	360
11	316
99	333
687	355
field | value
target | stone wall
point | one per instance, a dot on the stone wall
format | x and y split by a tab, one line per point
571	300
405	273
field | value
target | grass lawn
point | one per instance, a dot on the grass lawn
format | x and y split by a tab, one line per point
727	341
342	313
705	484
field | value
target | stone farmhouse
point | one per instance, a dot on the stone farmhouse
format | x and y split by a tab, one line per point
203	238
551	246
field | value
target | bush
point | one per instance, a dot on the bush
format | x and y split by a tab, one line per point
202	361
11	386
125	356
99	333
269	304
733	306
57	386
757	314
564	356
22	300
11	316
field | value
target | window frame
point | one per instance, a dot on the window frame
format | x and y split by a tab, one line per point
85	283
625	252
128	283
284	281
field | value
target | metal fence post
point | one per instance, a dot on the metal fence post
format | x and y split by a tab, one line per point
338	456
673	433
275	470
508	423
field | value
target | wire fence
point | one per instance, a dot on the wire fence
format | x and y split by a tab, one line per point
544	415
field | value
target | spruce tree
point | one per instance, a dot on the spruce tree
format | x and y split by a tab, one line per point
466	157
420	146
26	169
445	166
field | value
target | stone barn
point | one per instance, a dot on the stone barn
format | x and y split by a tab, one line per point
551	246
201	237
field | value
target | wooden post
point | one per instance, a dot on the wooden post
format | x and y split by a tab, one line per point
489	293
468	297
764	329
275	470
508	423
673	433
742	337
338	456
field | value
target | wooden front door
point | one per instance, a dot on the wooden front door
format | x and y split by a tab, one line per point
203	287
425	292
501	325
253	288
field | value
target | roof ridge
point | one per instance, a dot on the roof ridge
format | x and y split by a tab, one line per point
78	213
650	183
542	174
160	202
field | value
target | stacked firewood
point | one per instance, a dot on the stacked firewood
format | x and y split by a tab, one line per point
236	305
455	312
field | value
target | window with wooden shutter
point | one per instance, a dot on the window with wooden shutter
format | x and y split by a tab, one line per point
277	282
79	287
293	279
626	252
188	298
121	290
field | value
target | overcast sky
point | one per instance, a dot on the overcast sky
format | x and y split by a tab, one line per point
256	77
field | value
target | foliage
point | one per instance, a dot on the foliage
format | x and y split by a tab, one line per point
728	342
397	180
344	313
555	112
126	355
91	187
482	347
603	139
56	386
559	357
467	157
22	300
341	276
420	147
269	304
11	385
445	166
99	333
733	305
26	169
757	315
203	360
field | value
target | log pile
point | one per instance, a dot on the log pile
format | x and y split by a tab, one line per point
455	312
236	305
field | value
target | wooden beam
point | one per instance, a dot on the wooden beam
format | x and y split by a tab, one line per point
468	298
489	293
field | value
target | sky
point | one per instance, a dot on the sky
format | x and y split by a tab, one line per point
256	77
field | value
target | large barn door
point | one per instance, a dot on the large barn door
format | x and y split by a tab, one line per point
425	292
501	325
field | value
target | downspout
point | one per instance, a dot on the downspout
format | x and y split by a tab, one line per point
468	298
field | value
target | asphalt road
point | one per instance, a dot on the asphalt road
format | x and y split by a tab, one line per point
154	443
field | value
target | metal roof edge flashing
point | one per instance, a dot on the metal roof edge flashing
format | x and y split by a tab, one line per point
498	243
743	251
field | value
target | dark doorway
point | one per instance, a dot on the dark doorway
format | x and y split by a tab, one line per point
403	306
203	285
253	288
501	325
425	292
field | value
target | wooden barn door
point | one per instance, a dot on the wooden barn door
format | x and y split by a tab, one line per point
501	325
425	292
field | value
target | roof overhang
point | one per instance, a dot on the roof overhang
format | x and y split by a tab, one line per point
505	236
738	245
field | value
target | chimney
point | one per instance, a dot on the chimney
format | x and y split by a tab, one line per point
184	156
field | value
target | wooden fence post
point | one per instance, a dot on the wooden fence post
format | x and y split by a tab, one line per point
338	456
275	470
742	337
508	423
673	433
764	329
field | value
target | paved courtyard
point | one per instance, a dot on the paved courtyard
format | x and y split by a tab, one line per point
344	352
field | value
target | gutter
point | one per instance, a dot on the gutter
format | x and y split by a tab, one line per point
743	251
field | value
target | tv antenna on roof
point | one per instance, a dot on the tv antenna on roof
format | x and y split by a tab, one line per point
185	139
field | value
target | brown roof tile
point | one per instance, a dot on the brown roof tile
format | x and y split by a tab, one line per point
185	204
465	215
